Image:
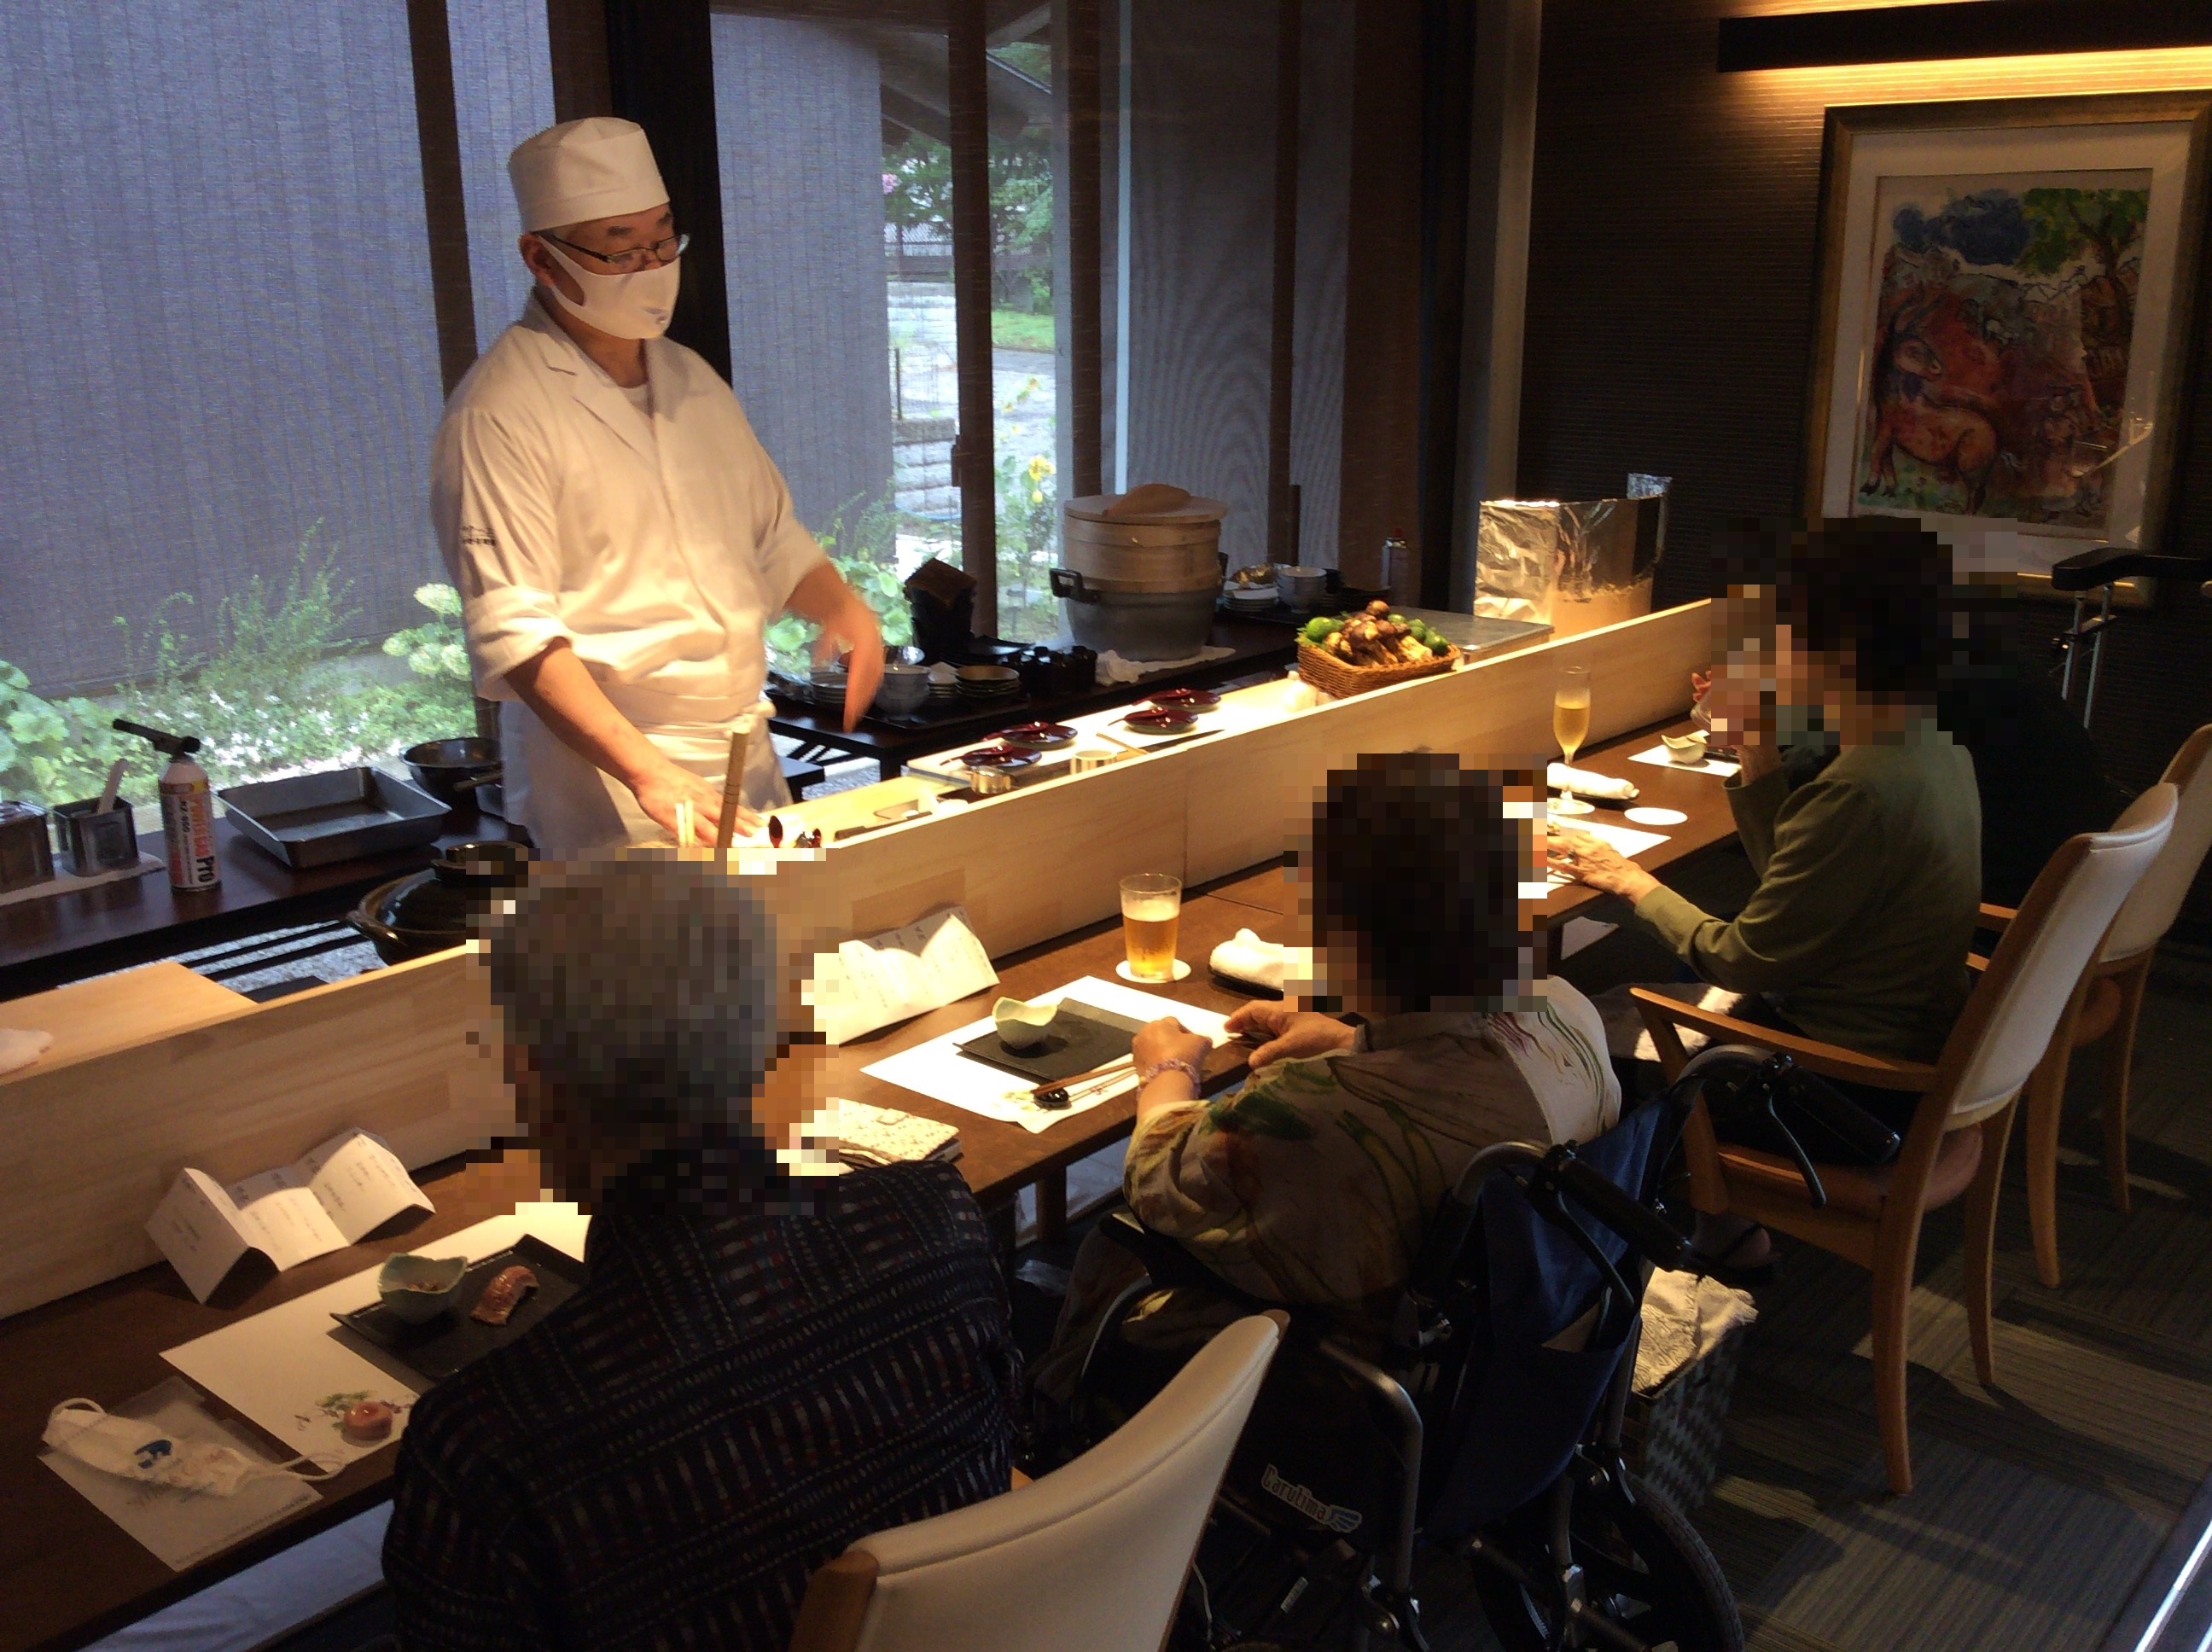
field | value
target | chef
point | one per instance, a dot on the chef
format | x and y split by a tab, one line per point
618	535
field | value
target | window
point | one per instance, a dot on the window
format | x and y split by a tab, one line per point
215	452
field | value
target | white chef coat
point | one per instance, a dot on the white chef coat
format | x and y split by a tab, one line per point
658	546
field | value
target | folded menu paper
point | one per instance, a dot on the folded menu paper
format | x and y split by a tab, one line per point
866	984
1583	783
346	1188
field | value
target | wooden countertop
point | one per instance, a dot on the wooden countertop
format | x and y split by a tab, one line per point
69	1575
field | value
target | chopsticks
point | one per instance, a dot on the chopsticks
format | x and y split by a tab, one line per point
1058	1093
733	774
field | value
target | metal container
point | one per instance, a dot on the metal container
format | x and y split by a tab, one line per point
341	814
26	856
97	840
1141	571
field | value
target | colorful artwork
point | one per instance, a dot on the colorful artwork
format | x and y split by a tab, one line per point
2004	330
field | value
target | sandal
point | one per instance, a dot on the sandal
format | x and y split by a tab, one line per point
1743	1276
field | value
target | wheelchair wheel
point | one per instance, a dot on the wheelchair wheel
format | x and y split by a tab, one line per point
1645	1569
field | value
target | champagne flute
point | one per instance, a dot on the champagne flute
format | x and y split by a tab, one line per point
1570	709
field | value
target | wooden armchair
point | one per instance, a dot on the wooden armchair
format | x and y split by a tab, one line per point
1956	1143
2109	999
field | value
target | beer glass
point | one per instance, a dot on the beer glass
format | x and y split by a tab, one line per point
1571	709
1152	911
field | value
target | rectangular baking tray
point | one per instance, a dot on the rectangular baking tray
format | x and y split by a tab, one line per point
341	814
435	1351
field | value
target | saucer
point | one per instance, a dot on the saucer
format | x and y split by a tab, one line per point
1654	817
1182	973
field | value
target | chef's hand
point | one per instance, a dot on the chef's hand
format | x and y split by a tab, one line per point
662	787
1288	1034
1592	860
853	633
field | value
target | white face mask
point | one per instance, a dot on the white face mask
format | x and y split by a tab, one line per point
141	1451
636	306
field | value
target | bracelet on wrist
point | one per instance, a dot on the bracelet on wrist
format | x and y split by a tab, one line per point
1174	1063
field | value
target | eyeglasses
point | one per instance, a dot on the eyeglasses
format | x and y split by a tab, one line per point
633	259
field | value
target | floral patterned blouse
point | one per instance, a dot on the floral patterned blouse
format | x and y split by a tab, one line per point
1314	1181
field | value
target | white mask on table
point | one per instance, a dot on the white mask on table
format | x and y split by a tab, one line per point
141	1451
636	306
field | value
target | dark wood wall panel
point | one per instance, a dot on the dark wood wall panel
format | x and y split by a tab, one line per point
1202	223
1325	94
1381	443
1671	297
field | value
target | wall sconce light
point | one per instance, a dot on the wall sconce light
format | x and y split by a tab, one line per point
1960	28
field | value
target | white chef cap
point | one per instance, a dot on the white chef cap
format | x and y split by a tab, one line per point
599	168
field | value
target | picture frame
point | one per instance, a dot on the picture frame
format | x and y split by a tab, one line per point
2006	313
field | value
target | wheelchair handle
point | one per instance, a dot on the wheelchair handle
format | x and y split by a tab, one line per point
1637	1224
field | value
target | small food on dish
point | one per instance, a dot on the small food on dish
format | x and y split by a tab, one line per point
1162	721
367	1422
503	1295
1193	699
1254	575
1038	736
1023	1026
1000	757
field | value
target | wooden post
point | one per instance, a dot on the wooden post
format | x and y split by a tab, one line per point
1282	514
974	449
1084	196
438	130
576	38
660	65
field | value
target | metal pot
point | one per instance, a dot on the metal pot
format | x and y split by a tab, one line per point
450	770
1136	624
427	912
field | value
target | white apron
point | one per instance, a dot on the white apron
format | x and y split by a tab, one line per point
571	807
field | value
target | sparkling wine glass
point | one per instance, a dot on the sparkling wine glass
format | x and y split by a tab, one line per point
1571	709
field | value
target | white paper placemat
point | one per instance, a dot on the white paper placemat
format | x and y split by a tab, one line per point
1627	839
1658	758
287	1370
938	1070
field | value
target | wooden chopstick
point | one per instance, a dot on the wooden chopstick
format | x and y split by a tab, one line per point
1074	1079
733	774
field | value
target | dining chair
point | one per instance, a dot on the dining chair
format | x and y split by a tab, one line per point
1089	1559
1955	1145
2108	1000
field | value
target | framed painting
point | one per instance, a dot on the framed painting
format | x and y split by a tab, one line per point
2005	314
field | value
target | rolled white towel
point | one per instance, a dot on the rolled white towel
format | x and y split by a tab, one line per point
1248	958
1585	784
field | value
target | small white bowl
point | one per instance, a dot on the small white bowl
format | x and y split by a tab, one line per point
418	1289
1688	750
1022	1026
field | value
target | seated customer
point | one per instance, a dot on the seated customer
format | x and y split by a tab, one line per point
1315	1181
1869	863
757	1370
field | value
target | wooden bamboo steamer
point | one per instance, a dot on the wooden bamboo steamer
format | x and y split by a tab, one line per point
1146	540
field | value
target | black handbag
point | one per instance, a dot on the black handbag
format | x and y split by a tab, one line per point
1779	1108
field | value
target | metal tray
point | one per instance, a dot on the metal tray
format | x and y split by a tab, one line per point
433	1352
317	820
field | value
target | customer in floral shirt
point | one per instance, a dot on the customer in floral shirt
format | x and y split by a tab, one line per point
1314	1182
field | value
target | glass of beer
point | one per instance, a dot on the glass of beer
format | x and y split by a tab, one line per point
1152	911
1571	727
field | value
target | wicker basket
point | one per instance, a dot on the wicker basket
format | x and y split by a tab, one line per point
1331	676
1673	1438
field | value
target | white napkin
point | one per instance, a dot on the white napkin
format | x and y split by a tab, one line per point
20	1047
1585	784
1113	669
1248	958
1686	1317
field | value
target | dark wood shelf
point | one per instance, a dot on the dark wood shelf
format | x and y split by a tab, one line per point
1966	28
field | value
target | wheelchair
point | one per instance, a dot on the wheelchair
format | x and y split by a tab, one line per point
1487	1430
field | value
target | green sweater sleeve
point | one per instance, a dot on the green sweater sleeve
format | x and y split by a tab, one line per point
1818	851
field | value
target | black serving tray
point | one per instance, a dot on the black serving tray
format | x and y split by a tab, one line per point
1081	1037
434	1350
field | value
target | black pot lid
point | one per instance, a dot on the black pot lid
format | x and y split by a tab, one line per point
421	905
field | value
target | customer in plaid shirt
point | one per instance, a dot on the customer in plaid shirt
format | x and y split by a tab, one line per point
756	1371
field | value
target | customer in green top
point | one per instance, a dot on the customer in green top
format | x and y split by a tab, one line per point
1869	862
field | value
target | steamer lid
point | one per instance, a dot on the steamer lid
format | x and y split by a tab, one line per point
1155	504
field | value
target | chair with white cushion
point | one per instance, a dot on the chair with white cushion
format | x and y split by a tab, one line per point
1955	1147
1089	1559
2110	998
